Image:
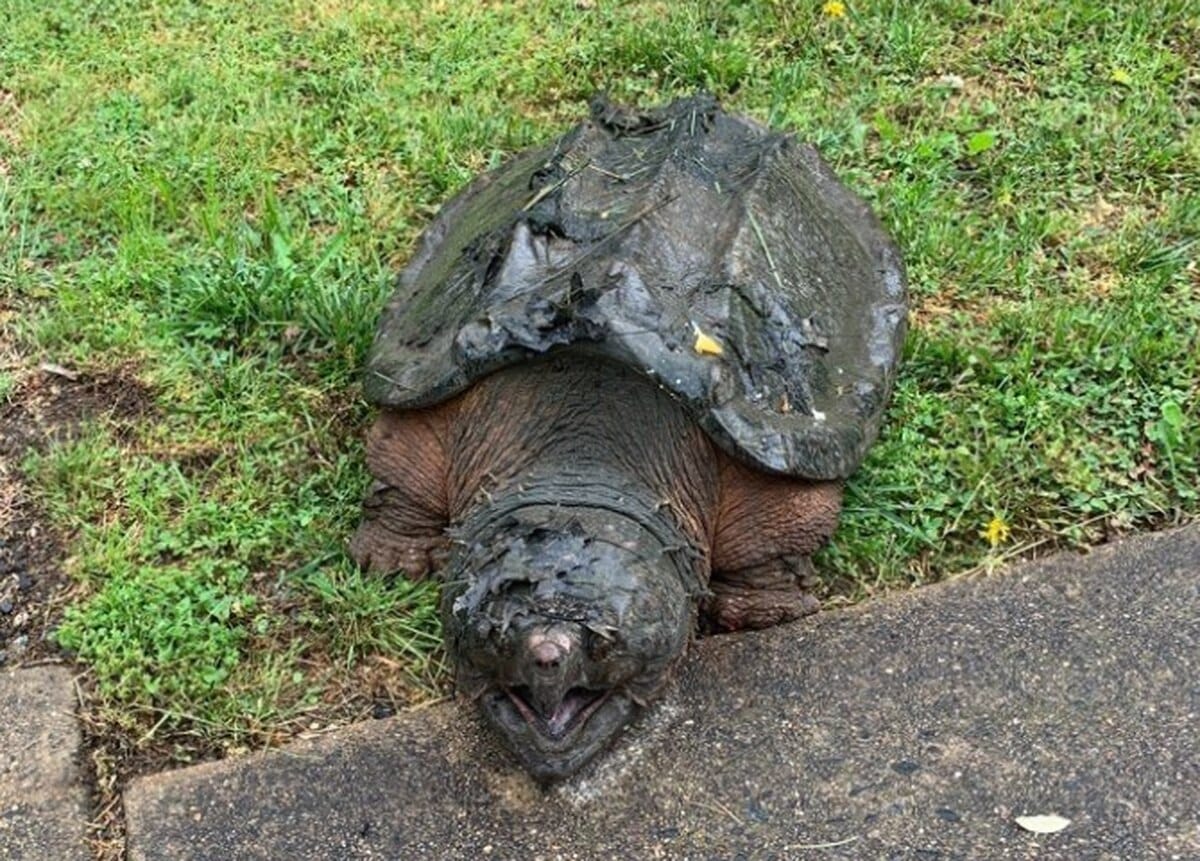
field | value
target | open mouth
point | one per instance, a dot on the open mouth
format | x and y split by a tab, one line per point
572	711
556	745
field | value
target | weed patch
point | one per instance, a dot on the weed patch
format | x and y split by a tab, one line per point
166	634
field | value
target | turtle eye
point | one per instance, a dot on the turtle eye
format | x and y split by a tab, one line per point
600	648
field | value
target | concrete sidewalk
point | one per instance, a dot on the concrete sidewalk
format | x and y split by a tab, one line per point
912	727
43	798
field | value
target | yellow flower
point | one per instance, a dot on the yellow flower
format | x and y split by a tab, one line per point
834	9
997	531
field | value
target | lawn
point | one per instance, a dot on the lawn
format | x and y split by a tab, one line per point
207	202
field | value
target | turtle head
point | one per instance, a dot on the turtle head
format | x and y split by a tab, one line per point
563	627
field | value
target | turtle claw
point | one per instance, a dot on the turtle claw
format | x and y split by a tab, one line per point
762	596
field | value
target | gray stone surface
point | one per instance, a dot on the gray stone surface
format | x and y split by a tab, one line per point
912	727
43	799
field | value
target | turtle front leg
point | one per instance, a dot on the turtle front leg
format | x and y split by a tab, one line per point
768	527
405	513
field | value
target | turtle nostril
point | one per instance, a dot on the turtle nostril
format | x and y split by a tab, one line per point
552	648
547	655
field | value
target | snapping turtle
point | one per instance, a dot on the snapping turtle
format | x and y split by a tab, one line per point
620	380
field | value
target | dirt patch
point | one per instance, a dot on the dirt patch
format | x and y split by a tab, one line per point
32	586
53	403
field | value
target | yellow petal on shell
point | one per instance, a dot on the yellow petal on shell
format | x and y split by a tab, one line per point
706	345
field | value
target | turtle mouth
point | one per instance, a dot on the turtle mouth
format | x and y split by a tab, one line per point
570	714
555	746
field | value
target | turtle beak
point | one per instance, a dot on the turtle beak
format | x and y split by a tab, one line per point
551	664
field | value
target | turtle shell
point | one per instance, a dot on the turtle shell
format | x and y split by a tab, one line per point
722	259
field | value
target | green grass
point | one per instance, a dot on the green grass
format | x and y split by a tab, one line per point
213	199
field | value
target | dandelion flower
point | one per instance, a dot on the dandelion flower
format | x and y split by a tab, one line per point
834	9
997	531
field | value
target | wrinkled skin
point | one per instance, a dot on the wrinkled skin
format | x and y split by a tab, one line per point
581	522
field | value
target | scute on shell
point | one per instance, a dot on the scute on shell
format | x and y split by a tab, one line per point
633	232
